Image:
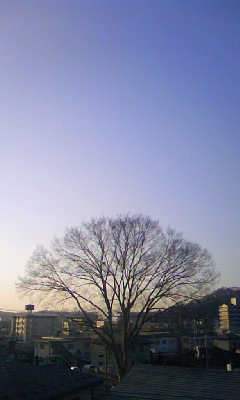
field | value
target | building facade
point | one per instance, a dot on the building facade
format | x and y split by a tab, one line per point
27	326
229	317
62	351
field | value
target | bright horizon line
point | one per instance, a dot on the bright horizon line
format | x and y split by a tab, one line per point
58	310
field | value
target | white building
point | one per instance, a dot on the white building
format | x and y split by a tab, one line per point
163	344
62	351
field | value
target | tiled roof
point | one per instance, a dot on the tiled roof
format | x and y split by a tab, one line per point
152	382
27	382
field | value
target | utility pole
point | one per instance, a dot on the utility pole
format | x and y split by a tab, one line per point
106	367
206	351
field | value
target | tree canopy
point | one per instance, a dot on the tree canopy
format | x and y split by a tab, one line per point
120	265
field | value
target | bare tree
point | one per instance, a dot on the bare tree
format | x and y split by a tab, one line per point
122	264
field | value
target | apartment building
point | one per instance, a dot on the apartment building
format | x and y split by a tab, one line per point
229	317
26	327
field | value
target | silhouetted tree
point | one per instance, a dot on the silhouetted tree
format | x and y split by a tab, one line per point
121	264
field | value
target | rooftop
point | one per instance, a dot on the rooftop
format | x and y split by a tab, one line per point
28	382
152	382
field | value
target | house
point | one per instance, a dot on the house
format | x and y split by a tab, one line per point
22	381
229	342
177	383
62	351
103	359
161	342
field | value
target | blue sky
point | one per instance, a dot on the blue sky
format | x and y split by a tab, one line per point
109	107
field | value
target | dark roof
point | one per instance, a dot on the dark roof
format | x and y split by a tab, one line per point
156	334
153	382
30	316
28	382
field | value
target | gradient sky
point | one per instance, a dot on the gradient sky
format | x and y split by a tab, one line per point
109	107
